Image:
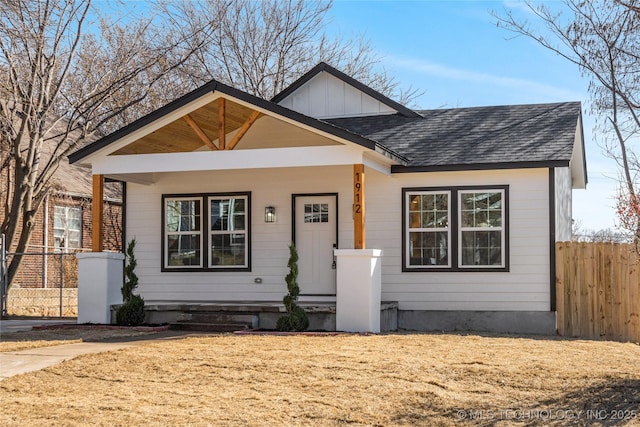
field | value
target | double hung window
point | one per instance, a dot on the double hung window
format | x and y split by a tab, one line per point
67	227
206	232
455	229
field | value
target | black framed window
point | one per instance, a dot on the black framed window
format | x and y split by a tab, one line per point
455	229
428	234
206	232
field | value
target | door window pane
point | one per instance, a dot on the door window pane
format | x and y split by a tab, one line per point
316	212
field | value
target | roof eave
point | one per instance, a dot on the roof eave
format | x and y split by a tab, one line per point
480	166
214	86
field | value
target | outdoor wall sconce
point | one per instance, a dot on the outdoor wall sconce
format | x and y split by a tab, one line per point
269	214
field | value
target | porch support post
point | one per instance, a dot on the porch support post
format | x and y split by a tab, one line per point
358	289
100	278
97	214
358	207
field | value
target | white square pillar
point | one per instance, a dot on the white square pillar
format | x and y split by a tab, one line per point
100	279
358	289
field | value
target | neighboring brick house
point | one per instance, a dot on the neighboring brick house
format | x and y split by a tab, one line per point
63	225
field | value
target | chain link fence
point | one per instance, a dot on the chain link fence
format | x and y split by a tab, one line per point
46	284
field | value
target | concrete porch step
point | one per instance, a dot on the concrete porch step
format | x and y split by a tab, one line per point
209	327
218	317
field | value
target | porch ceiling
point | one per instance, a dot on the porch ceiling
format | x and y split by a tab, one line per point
199	131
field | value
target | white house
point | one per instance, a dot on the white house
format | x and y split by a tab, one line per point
464	204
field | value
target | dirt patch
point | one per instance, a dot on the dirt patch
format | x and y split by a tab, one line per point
397	379
64	334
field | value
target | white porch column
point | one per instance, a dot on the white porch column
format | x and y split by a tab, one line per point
358	289
100	278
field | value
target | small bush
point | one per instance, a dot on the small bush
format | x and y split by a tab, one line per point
296	319
131	313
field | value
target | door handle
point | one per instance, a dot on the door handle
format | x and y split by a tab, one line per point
333	264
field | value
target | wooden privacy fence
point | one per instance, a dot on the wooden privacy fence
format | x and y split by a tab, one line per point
598	291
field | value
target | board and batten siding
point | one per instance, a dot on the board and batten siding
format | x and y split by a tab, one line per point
525	287
325	96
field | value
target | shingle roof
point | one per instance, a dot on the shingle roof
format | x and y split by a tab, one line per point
444	139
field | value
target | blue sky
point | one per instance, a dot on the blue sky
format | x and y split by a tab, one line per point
455	53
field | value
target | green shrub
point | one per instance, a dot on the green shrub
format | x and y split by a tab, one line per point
131	312
296	319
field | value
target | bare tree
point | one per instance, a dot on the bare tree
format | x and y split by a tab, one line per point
603	39
261	47
60	86
605	235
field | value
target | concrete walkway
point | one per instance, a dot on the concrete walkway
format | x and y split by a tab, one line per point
15	325
19	362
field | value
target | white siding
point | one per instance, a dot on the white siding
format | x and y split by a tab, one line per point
269	241
525	287
563	195
325	96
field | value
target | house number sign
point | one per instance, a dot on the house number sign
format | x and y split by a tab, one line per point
358	206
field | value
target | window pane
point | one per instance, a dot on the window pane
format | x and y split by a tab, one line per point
75	218
183	215
183	250
228	249
481	209
59	217
429	210
482	248
316	212
227	214
414	220
428	248
73	240
495	218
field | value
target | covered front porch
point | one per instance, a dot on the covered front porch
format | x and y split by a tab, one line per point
254	156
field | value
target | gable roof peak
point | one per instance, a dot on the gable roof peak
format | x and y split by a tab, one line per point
324	67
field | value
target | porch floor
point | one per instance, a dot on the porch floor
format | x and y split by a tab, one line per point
257	314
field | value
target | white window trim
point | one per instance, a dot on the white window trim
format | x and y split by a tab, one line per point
409	230
66	229
210	232
501	228
178	233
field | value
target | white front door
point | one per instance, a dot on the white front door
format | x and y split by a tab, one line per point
315	239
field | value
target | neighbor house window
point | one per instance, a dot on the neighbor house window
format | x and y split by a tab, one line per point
206	232
67	227
455	229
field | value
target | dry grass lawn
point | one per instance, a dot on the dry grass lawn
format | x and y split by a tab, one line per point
396	379
24	340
